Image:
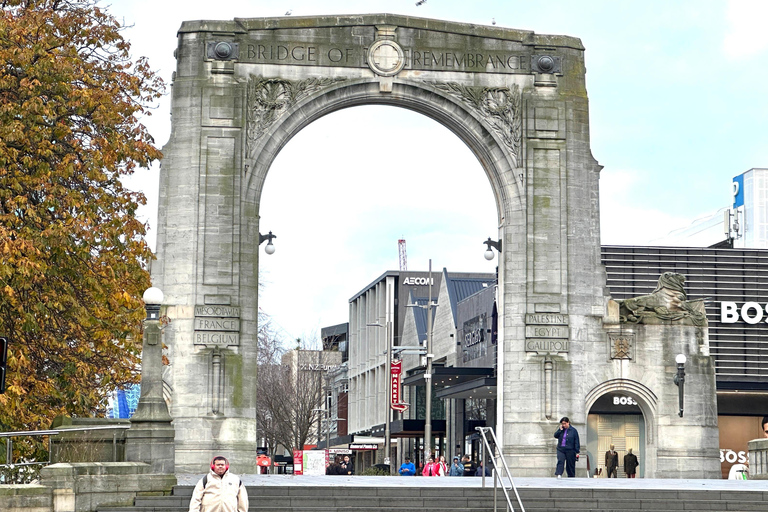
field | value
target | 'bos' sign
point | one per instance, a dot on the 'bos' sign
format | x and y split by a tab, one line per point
750	312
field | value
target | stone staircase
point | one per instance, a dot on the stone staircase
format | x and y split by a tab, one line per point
547	497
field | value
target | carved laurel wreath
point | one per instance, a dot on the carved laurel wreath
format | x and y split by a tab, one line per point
499	105
269	98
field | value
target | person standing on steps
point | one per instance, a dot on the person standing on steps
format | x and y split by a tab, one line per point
219	490
612	462
568	448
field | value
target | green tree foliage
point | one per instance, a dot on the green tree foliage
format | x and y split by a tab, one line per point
71	248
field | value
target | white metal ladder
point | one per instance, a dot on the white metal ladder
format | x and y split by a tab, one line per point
499	463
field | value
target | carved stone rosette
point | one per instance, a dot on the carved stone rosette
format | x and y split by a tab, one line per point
500	106
269	98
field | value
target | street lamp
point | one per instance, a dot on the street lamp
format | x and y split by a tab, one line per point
428	372
153	297
269	249
388	401
679	379
491	244
151	436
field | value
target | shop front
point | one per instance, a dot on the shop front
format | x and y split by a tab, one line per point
615	420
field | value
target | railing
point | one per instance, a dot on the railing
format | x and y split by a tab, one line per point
33	433
499	463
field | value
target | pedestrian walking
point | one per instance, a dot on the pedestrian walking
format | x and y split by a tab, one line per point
219	490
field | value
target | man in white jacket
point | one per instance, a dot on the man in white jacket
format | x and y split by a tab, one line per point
219	491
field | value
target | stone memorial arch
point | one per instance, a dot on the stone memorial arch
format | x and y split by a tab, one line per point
244	88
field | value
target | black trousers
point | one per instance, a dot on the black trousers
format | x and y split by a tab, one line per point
566	458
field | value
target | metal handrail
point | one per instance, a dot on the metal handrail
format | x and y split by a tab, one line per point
52	432
493	457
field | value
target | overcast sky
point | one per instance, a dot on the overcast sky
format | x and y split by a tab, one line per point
678	106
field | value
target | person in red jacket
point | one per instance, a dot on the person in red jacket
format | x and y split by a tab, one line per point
431	468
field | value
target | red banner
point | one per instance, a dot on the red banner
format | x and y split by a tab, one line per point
395	379
298	462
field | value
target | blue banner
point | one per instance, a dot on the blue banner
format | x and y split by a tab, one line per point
738	191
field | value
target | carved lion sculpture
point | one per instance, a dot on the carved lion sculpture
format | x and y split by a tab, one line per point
667	302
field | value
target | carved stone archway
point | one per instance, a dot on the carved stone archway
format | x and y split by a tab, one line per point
243	88
647	401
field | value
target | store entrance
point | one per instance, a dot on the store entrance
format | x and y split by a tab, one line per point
615	420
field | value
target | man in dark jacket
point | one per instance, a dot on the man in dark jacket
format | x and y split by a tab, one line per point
469	466
568	448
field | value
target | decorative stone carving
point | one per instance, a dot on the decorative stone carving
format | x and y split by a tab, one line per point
622	345
500	106
386	58
270	98
667	303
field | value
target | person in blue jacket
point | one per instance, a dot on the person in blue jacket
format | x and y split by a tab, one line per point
407	468
456	468
568	448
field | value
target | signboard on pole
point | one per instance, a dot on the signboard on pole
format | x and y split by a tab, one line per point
396	380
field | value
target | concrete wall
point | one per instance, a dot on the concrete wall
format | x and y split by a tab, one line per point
26	498
82	487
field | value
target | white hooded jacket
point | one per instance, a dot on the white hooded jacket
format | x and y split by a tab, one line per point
220	494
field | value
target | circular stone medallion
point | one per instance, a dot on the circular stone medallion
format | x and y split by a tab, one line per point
386	58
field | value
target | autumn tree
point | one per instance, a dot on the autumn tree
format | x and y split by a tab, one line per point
72	253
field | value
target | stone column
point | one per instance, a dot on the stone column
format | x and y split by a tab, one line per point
151	436
758	459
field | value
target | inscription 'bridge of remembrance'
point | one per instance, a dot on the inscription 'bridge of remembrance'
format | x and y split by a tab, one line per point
243	88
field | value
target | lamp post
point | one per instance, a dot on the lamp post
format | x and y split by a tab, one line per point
269	249
426	450
679	380
428	374
388	400
151	436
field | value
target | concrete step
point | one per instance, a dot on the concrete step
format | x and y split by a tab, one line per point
393	498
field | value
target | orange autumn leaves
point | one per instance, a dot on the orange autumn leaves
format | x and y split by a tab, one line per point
72	253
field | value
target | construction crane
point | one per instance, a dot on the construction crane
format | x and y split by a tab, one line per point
403	256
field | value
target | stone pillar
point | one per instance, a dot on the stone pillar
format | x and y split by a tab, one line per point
151	436
758	459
